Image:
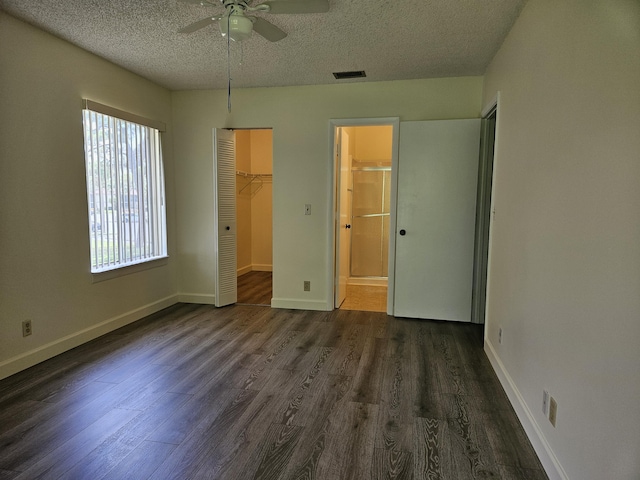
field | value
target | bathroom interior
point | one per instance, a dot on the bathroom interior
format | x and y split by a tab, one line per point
368	195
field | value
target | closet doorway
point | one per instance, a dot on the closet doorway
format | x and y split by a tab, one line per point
363	180
254	244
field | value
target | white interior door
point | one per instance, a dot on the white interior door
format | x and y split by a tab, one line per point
343	227
224	184
434	239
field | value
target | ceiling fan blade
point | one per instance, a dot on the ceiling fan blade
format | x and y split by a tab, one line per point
297	6
198	25
267	29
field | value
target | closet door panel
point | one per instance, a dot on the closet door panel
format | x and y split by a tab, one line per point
437	179
225	229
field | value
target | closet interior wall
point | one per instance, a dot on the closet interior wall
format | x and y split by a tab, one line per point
254	167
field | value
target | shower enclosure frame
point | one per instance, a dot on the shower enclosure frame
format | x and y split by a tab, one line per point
373	215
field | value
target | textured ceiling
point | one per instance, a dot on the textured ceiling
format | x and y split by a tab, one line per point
390	40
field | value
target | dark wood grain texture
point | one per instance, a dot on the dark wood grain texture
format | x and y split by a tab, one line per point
249	392
254	288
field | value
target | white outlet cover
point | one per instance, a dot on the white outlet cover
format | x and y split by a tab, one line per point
545	403
553	410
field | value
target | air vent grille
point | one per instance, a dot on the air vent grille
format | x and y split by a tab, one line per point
353	74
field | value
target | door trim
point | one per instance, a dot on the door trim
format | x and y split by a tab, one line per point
489	107
331	220
484	204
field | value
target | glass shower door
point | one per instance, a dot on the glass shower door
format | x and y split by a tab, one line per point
370	222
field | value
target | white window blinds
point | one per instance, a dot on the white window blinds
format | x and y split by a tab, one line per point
125	190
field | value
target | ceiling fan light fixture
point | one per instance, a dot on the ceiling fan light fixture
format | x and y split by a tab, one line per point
239	27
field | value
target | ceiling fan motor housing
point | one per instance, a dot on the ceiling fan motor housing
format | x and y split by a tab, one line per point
236	24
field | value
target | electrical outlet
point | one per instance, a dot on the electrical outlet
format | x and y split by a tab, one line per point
553	410
545	403
26	328
307	286
500	335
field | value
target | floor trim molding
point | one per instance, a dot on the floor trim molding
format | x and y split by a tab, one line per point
548	459
51	349
297	304
201	298
244	270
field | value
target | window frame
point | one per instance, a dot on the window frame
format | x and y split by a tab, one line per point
154	228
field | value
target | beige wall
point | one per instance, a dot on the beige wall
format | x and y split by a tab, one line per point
302	168
254	155
373	144
44	246
261	210
243	201
565	256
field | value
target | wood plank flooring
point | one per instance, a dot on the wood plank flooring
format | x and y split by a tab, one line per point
248	392
254	288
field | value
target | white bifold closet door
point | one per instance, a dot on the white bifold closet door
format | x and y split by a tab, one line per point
437	181
224	185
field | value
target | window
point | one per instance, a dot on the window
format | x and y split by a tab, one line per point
125	188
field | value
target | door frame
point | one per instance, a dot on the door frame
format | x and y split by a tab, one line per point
343	202
484	212
334	124
493	104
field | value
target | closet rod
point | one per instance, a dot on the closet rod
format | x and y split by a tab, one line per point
252	175
371	169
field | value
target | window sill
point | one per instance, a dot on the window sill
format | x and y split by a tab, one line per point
128	269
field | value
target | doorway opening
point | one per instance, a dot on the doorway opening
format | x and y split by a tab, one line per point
254	240
363	168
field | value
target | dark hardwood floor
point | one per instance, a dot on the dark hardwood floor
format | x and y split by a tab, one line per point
254	288
247	392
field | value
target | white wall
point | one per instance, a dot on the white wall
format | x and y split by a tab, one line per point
44	246
565	254
300	118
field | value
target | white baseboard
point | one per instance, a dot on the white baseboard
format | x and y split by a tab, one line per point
257	267
202	298
243	270
50	350
548	459
297	304
369	281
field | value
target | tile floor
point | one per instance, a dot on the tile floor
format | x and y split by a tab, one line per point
368	298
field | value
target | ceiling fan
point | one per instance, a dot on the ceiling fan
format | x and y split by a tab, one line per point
238	25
